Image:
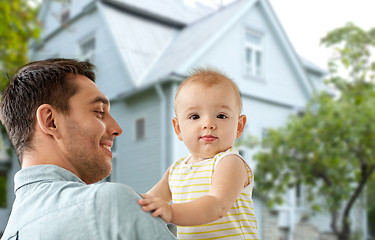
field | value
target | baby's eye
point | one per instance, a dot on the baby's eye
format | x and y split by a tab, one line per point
194	117
222	116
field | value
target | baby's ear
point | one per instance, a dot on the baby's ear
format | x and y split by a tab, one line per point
241	125
177	128
46	120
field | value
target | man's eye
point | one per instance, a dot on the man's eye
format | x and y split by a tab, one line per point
194	117
222	116
100	113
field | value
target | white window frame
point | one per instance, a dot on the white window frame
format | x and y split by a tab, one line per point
251	68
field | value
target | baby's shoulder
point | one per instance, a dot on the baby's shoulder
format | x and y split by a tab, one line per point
230	154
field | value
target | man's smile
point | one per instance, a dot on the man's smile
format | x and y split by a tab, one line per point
107	146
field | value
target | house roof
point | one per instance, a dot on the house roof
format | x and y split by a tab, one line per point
146	41
167	36
155	52
191	39
181	37
312	67
169	11
152	26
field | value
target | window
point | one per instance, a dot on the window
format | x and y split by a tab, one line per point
88	49
265	132
64	17
140	129
301	113
65	12
3	189
298	194
253	54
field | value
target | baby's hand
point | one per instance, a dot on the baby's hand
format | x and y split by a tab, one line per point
159	207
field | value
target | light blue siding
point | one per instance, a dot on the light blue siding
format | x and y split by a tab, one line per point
138	162
112	77
280	82
143	44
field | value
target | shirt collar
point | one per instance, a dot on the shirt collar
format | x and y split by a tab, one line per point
43	173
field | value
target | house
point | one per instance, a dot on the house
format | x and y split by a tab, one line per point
143	49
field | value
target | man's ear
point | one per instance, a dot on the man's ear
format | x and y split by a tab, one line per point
46	120
177	128
241	125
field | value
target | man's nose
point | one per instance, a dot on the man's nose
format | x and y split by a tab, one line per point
113	127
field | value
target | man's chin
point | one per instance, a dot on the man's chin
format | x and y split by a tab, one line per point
107	173
98	176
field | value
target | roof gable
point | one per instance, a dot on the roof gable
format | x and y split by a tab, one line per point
156	38
191	41
138	40
143	29
174	11
195	39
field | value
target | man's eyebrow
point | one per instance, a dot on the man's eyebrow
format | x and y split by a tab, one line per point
100	99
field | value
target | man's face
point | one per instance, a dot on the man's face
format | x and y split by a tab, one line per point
88	132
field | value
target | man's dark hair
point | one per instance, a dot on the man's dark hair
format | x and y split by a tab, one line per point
48	81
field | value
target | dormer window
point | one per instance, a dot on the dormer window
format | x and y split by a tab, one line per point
65	13
88	49
64	17
253	54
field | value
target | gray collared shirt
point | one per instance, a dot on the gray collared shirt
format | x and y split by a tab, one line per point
53	203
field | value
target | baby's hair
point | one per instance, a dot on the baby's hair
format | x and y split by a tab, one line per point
209	77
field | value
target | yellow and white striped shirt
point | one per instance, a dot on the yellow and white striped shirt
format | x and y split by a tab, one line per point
191	181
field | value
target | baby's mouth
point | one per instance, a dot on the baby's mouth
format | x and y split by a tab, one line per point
208	138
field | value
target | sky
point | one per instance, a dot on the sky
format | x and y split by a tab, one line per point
307	21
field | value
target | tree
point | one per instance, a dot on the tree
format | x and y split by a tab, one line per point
330	150
371	205
18	26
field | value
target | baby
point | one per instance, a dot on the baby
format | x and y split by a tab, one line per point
211	188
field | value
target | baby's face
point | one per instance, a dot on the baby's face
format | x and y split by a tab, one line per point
208	118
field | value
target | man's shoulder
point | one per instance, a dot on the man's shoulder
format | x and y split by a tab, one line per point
115	192
116	208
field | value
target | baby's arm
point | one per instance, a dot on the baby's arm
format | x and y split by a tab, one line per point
161	189
229	179
157	199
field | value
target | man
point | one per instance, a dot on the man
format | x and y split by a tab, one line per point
60	126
